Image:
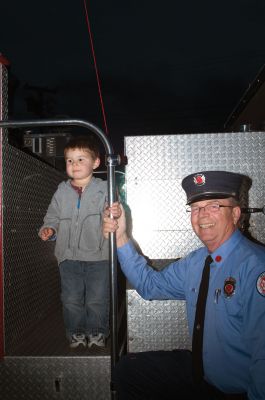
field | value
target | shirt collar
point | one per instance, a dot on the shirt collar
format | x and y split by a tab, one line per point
77	189
222	253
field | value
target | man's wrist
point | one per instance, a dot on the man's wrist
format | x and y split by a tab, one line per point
122	240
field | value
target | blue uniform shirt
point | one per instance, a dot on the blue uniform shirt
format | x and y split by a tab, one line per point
234	328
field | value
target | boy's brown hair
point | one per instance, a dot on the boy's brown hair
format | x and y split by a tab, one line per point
85	143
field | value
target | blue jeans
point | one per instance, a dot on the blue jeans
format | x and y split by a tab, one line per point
85	296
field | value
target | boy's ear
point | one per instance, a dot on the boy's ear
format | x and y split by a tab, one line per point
96	163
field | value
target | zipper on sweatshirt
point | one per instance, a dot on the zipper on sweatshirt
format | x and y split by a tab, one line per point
78	191
79	201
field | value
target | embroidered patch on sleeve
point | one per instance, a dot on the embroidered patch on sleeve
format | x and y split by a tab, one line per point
261	284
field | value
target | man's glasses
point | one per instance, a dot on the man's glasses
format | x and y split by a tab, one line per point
210	208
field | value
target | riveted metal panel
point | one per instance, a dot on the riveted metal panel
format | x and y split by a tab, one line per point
31	280
156	324
3	91
38	362
55	378
3	115
160	225
156	167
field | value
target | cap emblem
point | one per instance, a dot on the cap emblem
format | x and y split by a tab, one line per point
199	179
261	284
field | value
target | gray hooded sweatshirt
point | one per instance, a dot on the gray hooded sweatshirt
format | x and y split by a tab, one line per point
77	222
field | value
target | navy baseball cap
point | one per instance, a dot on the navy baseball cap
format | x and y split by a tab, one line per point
212	185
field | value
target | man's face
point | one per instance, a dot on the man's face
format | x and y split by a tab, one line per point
214	225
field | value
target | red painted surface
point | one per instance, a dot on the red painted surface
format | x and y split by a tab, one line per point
1	236
1	263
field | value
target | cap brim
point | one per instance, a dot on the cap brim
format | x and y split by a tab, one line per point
208	196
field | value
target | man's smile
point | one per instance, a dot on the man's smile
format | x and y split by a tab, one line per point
205	226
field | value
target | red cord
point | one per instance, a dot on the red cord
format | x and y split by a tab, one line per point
96	69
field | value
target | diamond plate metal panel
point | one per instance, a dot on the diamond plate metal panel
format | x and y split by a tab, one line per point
3	92
31	279
156	205
156	324
156	167
55	378
3	114
32	296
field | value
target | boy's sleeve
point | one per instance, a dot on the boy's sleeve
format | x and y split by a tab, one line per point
52	217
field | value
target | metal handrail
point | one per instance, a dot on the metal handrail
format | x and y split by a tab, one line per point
112	160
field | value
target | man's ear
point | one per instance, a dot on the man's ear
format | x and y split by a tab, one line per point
96	163
236	214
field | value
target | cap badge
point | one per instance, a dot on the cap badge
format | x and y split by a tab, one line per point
229	286
261	284
199	179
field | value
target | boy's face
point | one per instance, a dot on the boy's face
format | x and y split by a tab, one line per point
80	164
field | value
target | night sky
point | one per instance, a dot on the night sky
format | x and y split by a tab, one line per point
165	67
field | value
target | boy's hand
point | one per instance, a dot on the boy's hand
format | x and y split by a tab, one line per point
46	233
115	224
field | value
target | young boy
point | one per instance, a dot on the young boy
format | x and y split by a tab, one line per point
74	220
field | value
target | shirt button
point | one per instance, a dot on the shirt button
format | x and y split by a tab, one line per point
198	327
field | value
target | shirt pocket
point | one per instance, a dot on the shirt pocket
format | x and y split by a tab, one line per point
228	316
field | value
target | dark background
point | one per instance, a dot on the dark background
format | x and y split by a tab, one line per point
165	67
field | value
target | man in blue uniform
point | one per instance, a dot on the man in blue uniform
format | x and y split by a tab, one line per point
233	326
